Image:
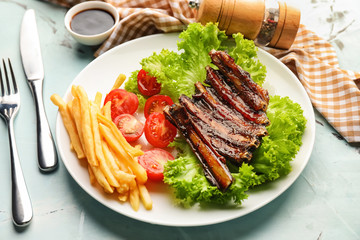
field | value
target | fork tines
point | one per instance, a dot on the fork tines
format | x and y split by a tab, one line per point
7	88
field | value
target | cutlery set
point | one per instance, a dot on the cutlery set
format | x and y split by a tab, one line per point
9	106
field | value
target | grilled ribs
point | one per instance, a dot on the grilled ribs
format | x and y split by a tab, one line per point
253	94
214	166
223	139
224	121
225	113
230	96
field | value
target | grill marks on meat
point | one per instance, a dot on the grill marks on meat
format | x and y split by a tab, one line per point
231	97
230	117
217	135
213	164
253	94
225	121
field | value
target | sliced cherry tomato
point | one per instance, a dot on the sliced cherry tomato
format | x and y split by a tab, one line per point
153	161
129	126
122	101
147	84
156	103
159	131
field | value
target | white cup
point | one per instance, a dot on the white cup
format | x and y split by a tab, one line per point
95	39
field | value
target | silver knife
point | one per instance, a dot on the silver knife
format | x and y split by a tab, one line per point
34	71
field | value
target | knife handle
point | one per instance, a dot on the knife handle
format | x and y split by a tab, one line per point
47	157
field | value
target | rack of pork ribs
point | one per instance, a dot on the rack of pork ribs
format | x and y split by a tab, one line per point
223	121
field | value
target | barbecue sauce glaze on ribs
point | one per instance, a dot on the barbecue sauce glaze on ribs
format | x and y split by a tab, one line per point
224	121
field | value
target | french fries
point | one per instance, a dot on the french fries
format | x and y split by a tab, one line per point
88	138
69	124
145	197
106	110
119	81
111	159
136	168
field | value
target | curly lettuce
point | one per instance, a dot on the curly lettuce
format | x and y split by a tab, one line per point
178	71
245	55
272	159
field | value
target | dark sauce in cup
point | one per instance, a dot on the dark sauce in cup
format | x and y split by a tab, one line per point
92	22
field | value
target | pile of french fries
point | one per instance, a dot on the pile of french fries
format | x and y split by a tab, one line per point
96	139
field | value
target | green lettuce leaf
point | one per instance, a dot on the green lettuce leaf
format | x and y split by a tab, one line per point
245	55
178	71
185	175
272	159
131	86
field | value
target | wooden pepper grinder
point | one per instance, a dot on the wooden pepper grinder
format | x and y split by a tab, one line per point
267	22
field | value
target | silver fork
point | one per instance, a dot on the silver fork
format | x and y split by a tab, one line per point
9	107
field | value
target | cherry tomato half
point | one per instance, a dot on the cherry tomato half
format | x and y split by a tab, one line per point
159	132
122	101
147	85
129	126
153	161
156	103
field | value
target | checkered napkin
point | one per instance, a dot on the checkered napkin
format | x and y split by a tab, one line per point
333	91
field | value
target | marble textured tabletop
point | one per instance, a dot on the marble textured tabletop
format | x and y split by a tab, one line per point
322	204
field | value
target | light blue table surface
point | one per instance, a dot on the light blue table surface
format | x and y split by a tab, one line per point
322	204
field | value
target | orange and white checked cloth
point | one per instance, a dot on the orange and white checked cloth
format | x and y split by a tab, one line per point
332	90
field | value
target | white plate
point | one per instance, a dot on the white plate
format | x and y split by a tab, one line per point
100	75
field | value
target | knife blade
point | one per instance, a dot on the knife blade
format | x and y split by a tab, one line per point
34	70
